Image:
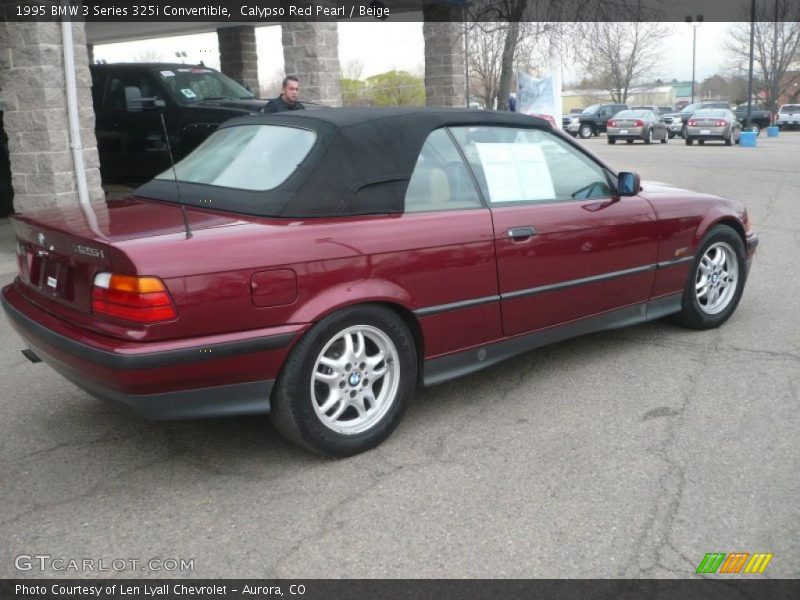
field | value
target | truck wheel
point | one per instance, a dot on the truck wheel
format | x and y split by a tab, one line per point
585	131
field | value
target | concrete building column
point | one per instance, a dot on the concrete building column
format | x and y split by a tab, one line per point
238	57
445	81
311	53
33	87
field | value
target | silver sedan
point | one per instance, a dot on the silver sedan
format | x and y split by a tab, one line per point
631	125
713	124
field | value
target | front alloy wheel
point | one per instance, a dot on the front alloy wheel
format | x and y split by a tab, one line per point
585	131
716	281
716	278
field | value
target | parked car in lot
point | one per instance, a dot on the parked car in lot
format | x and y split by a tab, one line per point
788	117
592	121
329	261
631	125
130	98
674	124
760	118
713	124
689	110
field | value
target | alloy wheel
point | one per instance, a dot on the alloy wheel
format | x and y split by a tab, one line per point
355	379
716	278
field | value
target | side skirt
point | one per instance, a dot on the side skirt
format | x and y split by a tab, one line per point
439	370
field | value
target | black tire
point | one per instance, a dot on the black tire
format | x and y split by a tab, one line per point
293	409
701	142
612	140
665	139
692	313
684	132
729	139
688	141
585	131
672	134
629	141
648	137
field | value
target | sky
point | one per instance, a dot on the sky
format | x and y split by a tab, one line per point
382	46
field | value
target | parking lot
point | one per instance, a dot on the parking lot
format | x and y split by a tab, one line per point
629	453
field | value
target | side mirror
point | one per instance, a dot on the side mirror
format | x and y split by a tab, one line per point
135	102
628	184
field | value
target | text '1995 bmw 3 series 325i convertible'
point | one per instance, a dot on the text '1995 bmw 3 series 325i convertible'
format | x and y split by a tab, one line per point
330	261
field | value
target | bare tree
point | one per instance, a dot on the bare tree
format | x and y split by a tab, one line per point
619	55
776	46
511	34
354	69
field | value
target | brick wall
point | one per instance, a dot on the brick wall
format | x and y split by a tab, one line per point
33	89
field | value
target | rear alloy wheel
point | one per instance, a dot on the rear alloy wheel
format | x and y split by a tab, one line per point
347	383
729	139
612	140
585	131
715	283
648	139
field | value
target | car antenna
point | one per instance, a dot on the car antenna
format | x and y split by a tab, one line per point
175	174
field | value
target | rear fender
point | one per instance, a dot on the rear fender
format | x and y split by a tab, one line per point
349	294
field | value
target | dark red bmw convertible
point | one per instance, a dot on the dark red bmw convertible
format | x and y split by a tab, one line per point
319	265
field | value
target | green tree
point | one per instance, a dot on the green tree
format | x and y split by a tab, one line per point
352	92
396	88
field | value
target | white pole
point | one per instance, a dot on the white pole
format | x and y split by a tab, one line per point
72	113
556	70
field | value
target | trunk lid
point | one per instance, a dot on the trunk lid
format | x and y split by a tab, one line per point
60	250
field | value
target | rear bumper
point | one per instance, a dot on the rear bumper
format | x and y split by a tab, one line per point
184	379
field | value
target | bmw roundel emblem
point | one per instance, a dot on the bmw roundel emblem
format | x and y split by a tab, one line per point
355	378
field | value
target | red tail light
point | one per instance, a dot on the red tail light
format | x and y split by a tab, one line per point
137	299
721	123
692	123
638	123
612	123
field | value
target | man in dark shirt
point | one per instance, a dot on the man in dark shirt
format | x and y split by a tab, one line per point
288	98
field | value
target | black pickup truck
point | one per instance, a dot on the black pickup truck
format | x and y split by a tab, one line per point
759	117
129	99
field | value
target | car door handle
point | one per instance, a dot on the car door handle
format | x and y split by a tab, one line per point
520	233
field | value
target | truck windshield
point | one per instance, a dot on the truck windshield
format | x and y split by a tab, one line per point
195	84
247	157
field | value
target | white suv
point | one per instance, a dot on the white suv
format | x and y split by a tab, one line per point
788	116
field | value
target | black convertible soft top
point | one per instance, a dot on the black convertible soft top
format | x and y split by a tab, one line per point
360	164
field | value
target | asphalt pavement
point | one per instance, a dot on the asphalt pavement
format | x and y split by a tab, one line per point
629	453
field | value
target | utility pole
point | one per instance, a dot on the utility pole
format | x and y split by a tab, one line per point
695	23
750	74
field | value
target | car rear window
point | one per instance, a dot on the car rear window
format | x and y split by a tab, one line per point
246	157
709	113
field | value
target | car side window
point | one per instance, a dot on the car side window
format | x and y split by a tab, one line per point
530	165
440	180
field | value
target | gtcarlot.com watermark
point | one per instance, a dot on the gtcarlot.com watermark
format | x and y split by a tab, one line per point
60	564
